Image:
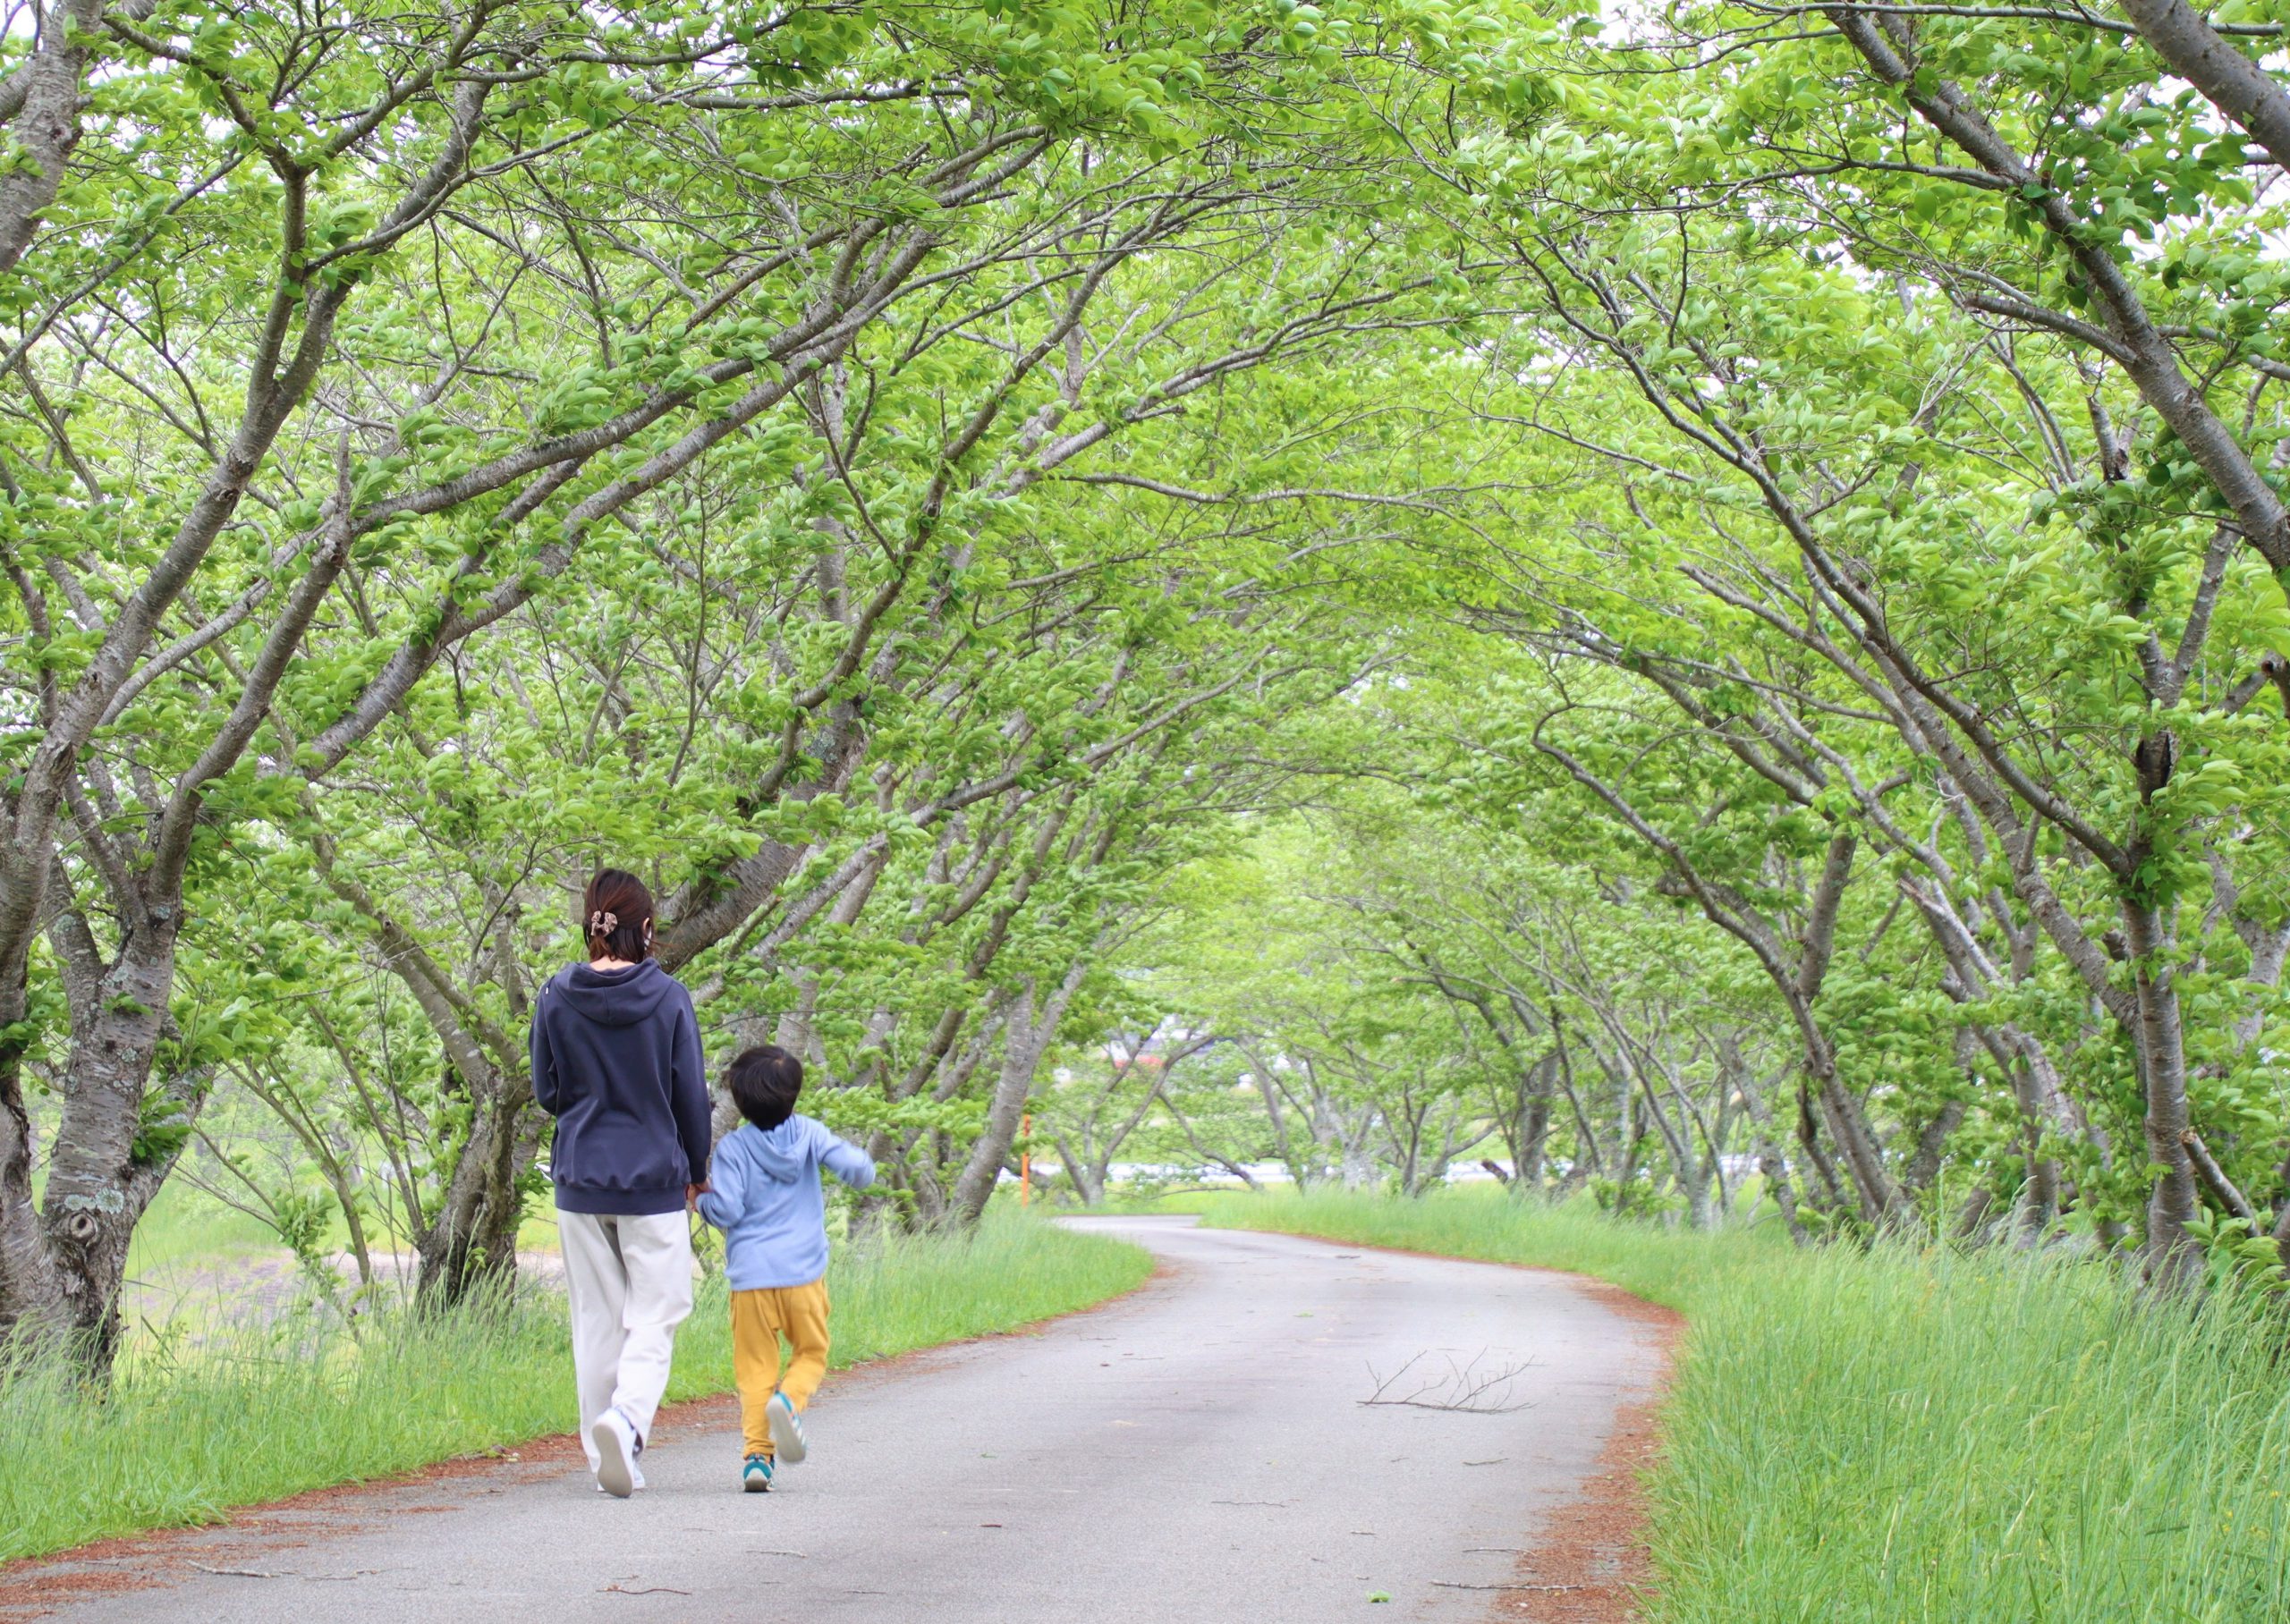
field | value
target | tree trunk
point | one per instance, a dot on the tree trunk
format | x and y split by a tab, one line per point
1878	1196
1974	1215
1025	1038
1769	1159
1588	1162
1534	1127
1685	1169
473	1242
1088	1173
2162	1056
62	1268
2040	1205
1932	1148
342	1178
1808	1139
1300	1173
31	1294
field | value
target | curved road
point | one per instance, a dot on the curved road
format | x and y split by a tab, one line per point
1196	1452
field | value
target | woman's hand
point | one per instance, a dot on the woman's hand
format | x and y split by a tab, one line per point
694	1192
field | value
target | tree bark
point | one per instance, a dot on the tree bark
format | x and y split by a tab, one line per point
1771	1161
1027	1035
2229	81
66	1263
471	1244
1534	1126
2171	1255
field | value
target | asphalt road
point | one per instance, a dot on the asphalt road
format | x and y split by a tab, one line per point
1199	1451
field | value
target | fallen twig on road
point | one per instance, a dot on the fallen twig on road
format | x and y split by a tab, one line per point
1460	1584
289	1573
1473	1392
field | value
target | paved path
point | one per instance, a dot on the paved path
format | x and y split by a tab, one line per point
1194	1454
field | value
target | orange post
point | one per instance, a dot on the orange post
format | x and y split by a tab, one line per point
1025	1162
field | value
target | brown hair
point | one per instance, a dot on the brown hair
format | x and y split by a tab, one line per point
616	916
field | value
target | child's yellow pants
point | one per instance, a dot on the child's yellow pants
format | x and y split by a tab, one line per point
760	1319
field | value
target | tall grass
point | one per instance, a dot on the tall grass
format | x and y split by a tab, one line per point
1915	1434
191	1430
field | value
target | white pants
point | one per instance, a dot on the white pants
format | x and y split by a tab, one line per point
630	1280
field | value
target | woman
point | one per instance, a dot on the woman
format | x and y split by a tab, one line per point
616	1061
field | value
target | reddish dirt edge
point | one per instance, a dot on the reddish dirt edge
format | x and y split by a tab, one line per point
28	1591
1588	1564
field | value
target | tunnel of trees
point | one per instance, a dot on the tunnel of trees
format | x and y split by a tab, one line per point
1675	603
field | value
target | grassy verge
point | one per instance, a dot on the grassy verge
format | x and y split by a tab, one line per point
305	1402
1909	1434
185	1227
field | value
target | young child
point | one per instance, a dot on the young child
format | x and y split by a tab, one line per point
763	1192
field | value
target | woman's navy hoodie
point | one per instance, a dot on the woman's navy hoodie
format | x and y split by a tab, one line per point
616	1061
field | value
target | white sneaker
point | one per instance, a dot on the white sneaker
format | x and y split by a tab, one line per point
616	1446
639	1481
786	1429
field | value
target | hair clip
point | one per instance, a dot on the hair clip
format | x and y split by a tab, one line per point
602	923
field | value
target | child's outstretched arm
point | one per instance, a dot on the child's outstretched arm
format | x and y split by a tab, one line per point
727	1192
846	1161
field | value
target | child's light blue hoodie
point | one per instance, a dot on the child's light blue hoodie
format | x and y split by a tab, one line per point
763	1194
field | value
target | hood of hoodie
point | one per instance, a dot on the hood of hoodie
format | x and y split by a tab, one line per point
615	998
782	1152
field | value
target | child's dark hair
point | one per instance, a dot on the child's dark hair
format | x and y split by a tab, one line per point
765	1082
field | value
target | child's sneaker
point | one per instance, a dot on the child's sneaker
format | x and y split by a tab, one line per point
755	1476
617	1446
786	1429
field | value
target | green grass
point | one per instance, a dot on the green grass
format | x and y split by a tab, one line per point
1916	1434
255	1415
187	1226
